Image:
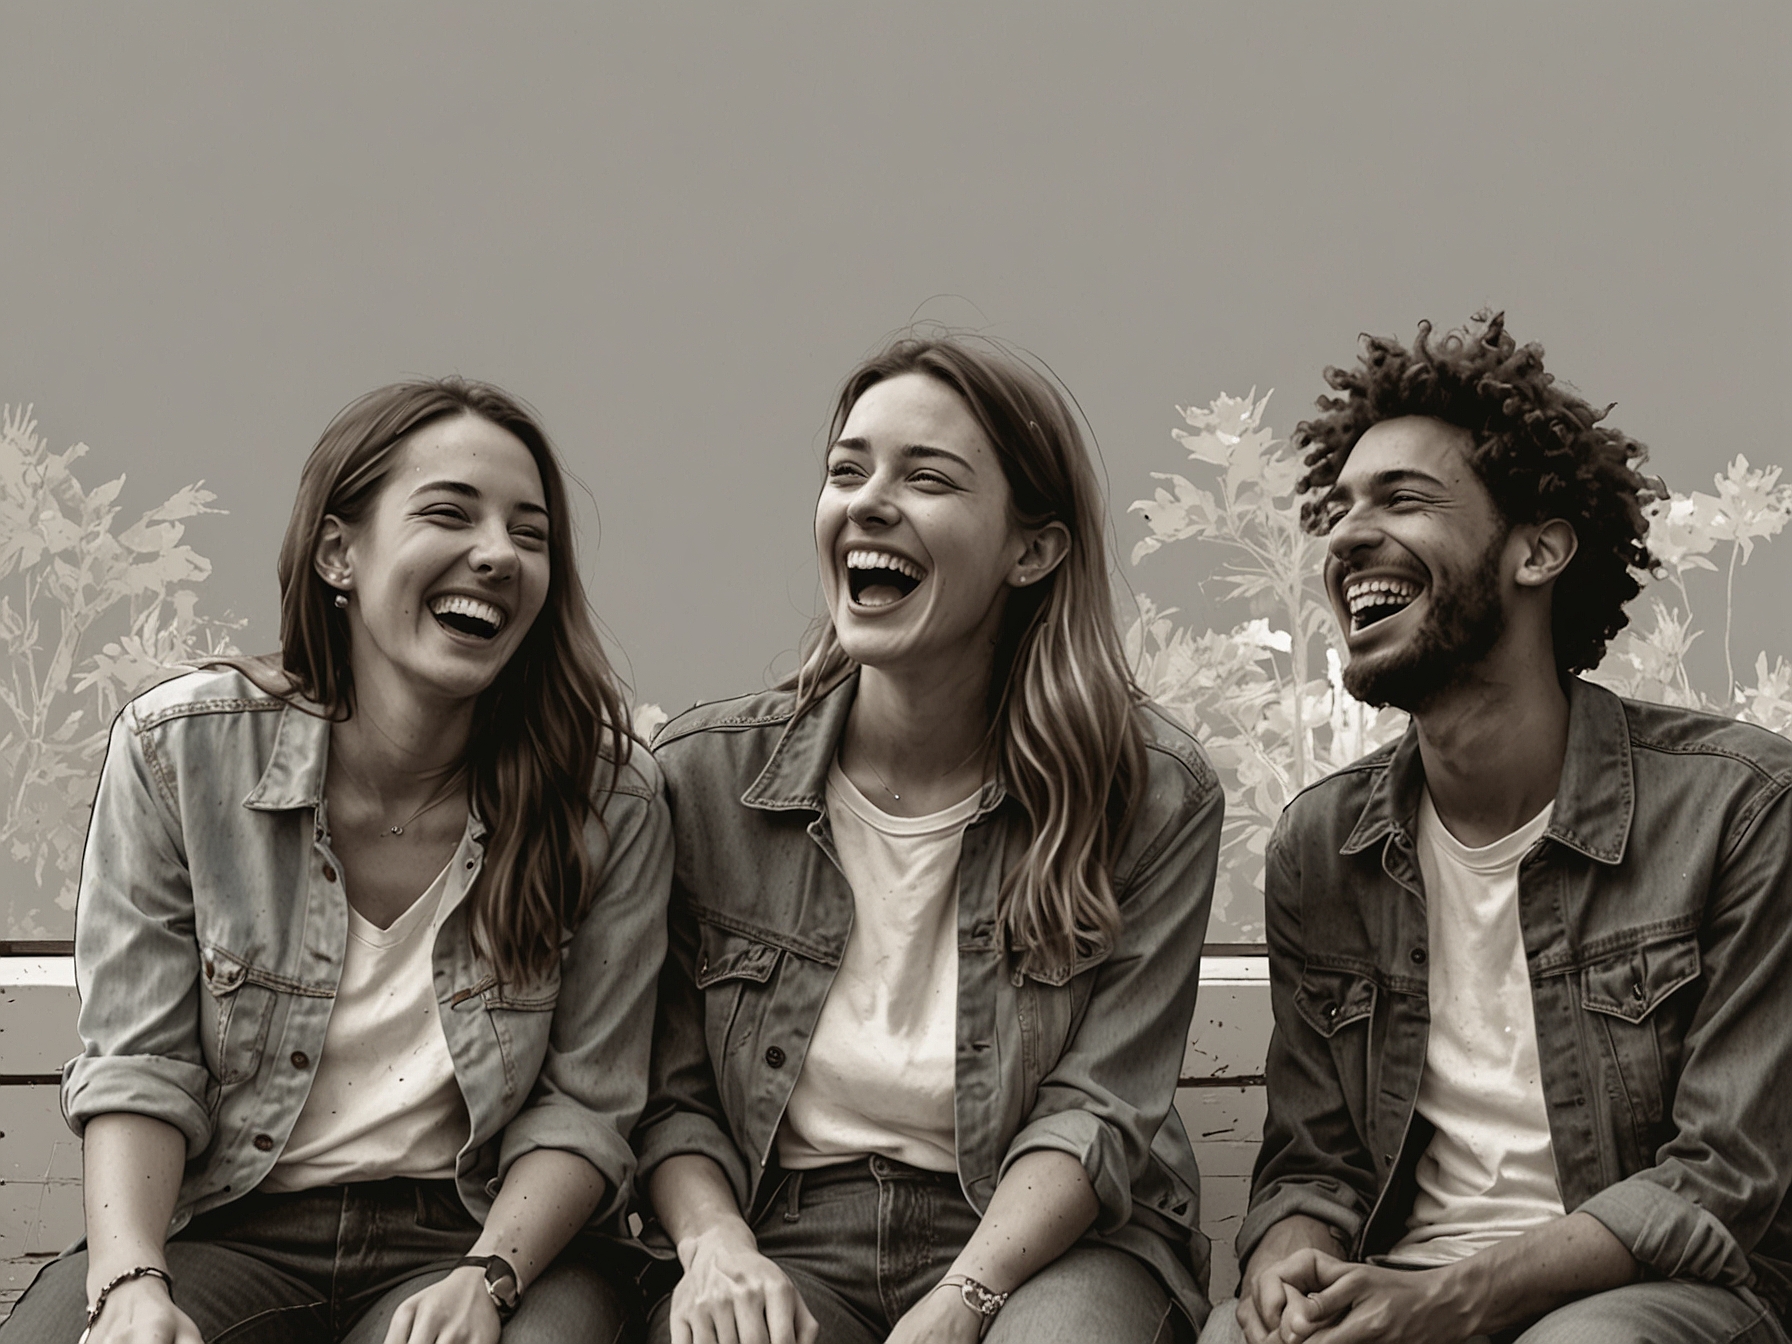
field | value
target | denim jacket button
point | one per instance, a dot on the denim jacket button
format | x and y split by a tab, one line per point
301	1060
263	1143
1331	1012
774	1056
329	873
1418	956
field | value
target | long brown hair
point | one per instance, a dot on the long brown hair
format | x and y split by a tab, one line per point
541	731
1062	702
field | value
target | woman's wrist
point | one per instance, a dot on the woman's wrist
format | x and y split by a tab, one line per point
726	1232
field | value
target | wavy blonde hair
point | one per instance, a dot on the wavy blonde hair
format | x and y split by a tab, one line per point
1062	703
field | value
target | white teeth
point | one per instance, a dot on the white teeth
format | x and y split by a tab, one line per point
456	604
1361	594
884	560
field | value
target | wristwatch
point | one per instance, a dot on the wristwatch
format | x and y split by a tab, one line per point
500	1282
985	1301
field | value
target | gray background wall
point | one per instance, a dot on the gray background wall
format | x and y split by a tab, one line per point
674	227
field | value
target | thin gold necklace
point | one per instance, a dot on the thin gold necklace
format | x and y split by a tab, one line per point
435	800
866	757
443	792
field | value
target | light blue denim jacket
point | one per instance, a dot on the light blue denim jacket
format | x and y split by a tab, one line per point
209	940
1081	1059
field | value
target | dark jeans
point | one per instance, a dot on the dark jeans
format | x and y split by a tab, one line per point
864	1241
334	1264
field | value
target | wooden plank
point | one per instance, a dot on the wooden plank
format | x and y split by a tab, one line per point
40	1186
37	1024
1221	1104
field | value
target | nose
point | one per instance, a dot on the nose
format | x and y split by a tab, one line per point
494	552
1354	531
872	504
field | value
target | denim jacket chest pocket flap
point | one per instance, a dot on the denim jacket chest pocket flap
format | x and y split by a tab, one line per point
1632	983
729	965
1330	999
235	1031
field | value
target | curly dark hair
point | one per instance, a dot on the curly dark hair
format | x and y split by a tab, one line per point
1538	448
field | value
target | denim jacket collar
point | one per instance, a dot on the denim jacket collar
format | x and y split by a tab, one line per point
796	776
1594	800
295	771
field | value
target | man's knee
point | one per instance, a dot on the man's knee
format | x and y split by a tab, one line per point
1659	1312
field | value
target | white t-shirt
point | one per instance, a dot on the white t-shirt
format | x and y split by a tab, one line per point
878	1078
384	1100
1489	1172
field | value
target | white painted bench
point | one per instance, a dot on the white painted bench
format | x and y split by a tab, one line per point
1221	1101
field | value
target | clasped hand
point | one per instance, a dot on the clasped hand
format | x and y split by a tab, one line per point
1320	1299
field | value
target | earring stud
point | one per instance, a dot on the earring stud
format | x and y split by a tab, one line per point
342	599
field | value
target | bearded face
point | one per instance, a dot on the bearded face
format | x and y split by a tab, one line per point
1461	622
1413	563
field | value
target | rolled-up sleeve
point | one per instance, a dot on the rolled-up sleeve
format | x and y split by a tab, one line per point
1312	1160
1718	1184
1105	1099
593	1079
136	960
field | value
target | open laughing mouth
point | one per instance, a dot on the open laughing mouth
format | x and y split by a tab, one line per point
467	615
1372	600
879	578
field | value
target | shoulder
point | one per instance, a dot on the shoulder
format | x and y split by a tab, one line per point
212	692
1172	753
723	735
638	777
742	715
1329	808
1667	731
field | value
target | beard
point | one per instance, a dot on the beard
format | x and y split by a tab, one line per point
1460	629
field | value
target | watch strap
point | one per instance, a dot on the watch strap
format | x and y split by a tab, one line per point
497	1270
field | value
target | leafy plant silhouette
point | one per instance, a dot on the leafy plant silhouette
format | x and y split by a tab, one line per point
89	617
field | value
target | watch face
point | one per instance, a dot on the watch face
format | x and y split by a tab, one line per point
500	1284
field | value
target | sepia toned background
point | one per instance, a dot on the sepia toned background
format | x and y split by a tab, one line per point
673	228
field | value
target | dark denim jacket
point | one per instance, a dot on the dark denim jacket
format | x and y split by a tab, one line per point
1083	1061
208	946
1657	921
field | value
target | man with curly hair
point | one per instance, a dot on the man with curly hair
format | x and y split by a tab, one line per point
1531	966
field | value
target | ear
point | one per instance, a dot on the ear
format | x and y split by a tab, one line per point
1045	551
1549	548
331	559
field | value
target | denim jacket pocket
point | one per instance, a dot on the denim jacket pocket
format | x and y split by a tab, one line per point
730	967
520	1017
1628	995
1330	1000
235	1030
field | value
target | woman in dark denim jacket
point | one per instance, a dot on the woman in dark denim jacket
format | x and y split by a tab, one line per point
368	933
937	916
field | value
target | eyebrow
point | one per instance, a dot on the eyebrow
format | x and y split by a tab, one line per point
466	491
1382	480
911	451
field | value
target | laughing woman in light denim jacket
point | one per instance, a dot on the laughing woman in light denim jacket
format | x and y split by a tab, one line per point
937	917
368	932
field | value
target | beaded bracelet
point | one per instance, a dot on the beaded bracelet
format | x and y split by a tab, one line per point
99	1303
